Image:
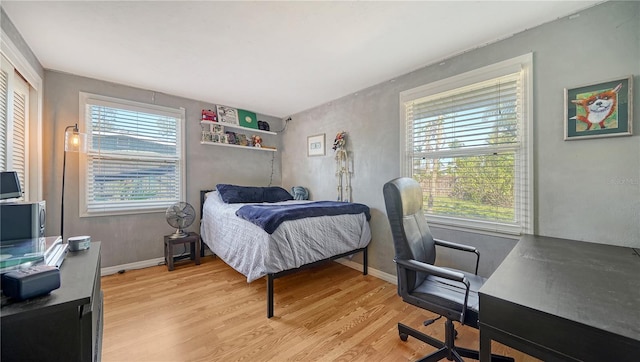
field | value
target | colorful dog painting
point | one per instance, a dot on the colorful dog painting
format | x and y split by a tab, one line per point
598	108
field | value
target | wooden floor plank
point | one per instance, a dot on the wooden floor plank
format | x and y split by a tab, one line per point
209	313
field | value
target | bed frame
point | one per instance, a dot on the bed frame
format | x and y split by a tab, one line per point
273	276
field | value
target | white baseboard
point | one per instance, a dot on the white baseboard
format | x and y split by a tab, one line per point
371	271
159	261
137	265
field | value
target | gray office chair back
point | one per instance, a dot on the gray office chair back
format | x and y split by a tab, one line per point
412	238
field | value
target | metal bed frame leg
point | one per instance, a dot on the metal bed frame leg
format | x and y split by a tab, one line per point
365	261
270	295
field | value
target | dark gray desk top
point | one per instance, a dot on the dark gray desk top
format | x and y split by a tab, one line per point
593	284
77	274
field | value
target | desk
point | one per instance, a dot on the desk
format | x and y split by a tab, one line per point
564	300
65	325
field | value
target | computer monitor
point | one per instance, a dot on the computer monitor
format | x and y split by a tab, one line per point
9	185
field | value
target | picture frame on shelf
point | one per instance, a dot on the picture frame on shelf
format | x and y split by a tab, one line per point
316	145
241	139
603	109
227	115
217	129
231	137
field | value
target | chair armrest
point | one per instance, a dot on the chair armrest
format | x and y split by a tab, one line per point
440	272
462	247
452	245
432	269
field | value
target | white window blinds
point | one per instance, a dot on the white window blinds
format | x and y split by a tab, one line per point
134	159
468	149
14	98
4	95
480	116
19	135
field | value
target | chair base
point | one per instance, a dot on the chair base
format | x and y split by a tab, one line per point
446	349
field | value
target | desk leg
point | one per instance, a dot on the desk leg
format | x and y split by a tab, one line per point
485	346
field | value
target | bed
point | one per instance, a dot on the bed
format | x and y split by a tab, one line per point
286	246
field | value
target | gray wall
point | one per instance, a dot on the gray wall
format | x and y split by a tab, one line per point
131	238
586	190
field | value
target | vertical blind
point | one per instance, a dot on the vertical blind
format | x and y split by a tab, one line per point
18	154
13	123
465	147
4	124
134	157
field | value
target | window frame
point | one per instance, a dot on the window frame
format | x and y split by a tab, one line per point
84	158
525	196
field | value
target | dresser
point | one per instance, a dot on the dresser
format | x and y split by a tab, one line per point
65	325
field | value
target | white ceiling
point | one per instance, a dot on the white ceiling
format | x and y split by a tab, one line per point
274	58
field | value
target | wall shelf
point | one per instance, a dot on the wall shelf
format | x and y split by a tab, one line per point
238	146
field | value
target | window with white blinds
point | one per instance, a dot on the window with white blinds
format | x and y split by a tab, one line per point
467	141
135	156
14	98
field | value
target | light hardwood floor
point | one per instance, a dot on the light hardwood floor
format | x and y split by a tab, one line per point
210	313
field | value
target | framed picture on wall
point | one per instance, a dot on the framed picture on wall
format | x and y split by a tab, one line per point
599	110
316	145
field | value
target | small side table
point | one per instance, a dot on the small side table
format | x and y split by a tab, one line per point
192	238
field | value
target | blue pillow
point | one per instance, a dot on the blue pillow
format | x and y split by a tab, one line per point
276	194
232	194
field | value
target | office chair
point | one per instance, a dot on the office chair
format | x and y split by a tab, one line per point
451	293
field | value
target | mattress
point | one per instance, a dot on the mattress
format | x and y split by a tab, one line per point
253	252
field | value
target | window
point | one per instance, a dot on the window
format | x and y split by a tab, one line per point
14	120
467	140
135	158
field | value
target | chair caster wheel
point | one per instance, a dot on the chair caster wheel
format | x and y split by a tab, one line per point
404	337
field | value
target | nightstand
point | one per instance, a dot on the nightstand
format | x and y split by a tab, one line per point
192	238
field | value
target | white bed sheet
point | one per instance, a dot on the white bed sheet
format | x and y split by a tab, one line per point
253	252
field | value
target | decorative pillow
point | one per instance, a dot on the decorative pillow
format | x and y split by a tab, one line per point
276	194
300	193
232	194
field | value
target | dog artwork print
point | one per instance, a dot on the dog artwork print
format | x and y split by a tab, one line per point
597	109
603	109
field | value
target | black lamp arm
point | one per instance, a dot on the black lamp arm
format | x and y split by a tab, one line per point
64	167
75	128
